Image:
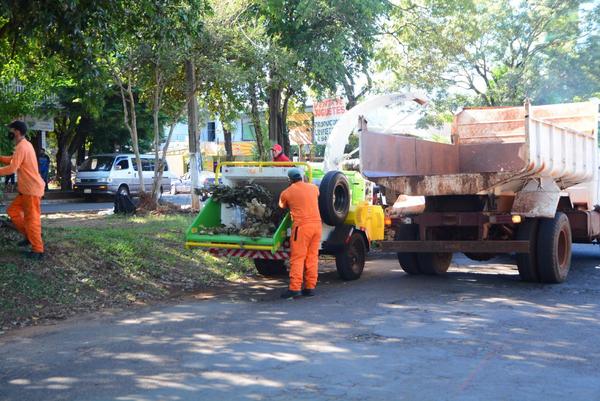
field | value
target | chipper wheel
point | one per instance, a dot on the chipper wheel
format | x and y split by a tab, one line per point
351	262
334	198
270	268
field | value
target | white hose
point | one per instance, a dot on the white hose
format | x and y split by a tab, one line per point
338	139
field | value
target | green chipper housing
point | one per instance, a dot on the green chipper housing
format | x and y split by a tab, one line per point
211	216
350	221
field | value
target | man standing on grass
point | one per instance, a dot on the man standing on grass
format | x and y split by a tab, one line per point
24	211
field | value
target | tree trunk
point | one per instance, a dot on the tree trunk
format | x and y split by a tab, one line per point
64	169
275	114
284	131
162	163
134	138
130	120
228	145
350	96
192	104
258	133
64	131
81	154
158	167
78	143
349	89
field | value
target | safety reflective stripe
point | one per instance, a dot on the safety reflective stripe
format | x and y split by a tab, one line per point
242	253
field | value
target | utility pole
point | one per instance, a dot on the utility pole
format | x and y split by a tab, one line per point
192	103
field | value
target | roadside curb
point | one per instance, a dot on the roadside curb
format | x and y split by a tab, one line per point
44	201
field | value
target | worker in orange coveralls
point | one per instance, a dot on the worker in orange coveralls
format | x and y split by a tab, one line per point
24	211
303	201
278	155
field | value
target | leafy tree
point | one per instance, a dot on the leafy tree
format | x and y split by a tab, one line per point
479	52
106	132
44	51
319	44
145	51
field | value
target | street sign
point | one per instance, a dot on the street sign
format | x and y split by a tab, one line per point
326	113
39	124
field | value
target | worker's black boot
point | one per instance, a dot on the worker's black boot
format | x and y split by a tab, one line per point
34	255
23	243
289	294
308	292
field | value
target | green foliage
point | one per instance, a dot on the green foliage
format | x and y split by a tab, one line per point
490	52
326	38
107	133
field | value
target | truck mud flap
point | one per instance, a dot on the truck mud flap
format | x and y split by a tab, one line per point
336	241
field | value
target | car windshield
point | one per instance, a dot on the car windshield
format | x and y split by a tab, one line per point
97	163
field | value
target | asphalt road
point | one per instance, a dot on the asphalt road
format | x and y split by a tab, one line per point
74	206
476	334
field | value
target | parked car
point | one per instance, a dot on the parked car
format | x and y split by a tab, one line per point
116	173
183	184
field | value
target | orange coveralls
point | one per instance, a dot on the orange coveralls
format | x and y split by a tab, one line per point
303	201
25	211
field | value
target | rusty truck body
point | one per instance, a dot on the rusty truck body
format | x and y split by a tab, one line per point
520	180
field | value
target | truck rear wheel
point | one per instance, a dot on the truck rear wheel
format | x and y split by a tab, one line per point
270	268
334	198
408	260
434	263
527	262
351	262
554	249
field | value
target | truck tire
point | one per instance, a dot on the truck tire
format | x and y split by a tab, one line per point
527	262
554	249
408	260
435	263
334	198
351	263
270	268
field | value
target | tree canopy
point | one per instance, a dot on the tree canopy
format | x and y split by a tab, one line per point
113	72
468	52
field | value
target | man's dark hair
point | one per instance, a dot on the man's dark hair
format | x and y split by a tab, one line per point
19	126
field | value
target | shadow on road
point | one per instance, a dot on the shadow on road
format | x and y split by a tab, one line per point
476	333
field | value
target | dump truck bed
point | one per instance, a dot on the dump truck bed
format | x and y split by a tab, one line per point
494	150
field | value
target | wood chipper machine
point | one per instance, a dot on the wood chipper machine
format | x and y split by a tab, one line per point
350	220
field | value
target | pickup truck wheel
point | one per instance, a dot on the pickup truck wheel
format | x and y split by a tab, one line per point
351	263
527	262
123	190
554	249
434	263
270	268
408	260
334	198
